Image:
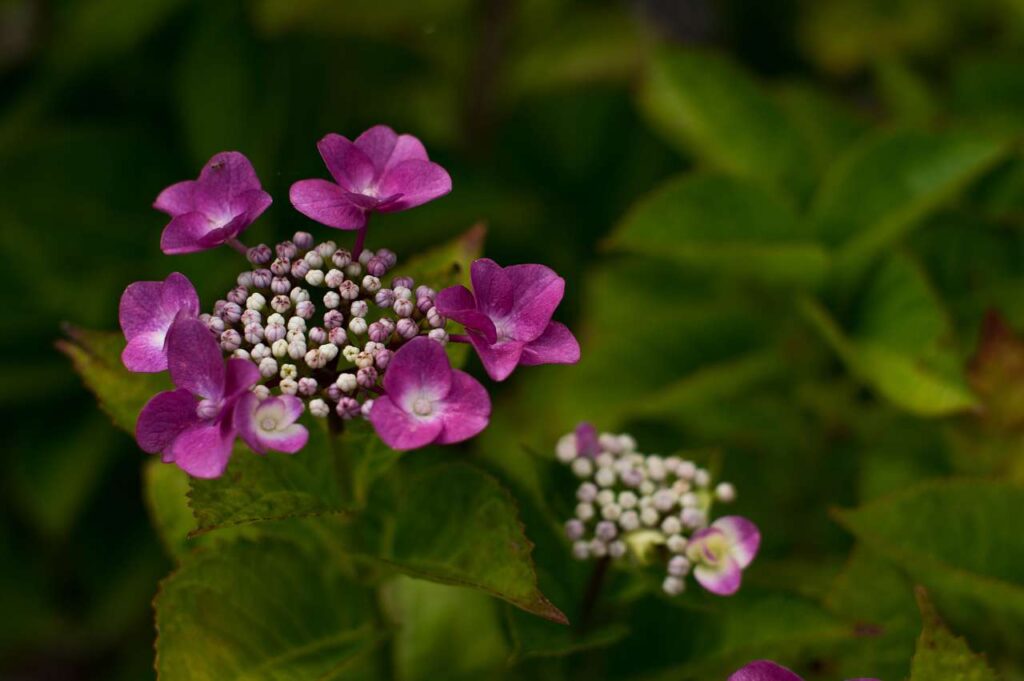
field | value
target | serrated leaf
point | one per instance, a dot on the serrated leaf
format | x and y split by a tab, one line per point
96	356
885	184
941	655
260	611
997	372
708	107
165	488
956	536
722	225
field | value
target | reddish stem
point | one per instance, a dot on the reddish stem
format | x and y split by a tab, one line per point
238	246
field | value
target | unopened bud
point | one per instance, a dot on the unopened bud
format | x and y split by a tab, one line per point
341	257
299	269
279	348
315	277
326	249
382	358
334	278
259	255
348	408
346	382
348	290
314	259
366	377
288	386
230	340
407	328
261	278
231	313
333	319
281	303
357	325
319	408
337	336
439	335
268	367
359	308
307	386
384	298
332	300
371	284
256	302
303	240
281	267
238	296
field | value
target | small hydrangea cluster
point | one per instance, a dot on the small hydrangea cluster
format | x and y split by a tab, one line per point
311	326
645	506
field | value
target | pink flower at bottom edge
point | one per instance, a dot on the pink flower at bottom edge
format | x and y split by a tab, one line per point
766	670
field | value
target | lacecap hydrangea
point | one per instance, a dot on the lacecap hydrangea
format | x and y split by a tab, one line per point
312	327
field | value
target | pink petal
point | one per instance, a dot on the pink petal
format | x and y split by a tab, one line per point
556	345
203	450
378	143
764	670
177	199
194	359
458	304
416	181
178	294
538	291
287	440
418	367
400	430
251	204
743	536
240	375
141	309
146	353
492	288
146	311
185	233
224	177
327	203
407	148
163	418
499	359
722	579
466	409
348	164
285	409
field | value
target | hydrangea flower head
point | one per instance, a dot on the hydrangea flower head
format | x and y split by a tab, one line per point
646	508
766	670
213	209
197	436
426	401
508	316
146	312
381	171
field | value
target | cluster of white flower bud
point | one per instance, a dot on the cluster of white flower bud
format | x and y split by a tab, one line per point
643	507
321	325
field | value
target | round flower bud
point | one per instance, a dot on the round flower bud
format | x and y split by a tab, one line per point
439	335
672	463
605	460
605	497
656	468
359	308
280	267
649	517
242	353
256	302
231	313
686	470
353	270
584	511
337	336
230	340
268	367
253	334
692	517
334	278
405	282
617	549
357	325
387	323
303	240
286	249
403	307
376	267
288	386
647	487
664	499
702	478
423	304
402	292
259	255
341	257
296	349
315	277
676	543
407	328
574	529
565	449
262	278
259	352
580	550
333	392
314	259
377	332
582	468
633	477
434	318
275	318
346	382
348	408
605	531
365	256
371	284
317	335
280	303
238	296
366	377
251	317
608	443
326	249
280	285
300	268
671	525
382	358
611	511
314	360
274	332
295	335
329	351
289	371
333	319
364	359
678	566
348	290
350	352
629	521
307	386
305	309
244	279
627	499
319	408
587	492
332	300
627	443
261	391
605	477
673	586
424	291
388	256
279	348
384	298
598	548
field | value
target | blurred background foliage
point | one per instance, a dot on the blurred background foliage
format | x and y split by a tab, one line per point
793	235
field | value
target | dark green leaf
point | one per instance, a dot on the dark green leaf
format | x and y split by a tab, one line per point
941	655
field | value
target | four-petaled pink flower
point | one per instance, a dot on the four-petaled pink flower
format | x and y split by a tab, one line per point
146	312
427	401
380	172
508	320
722	551
214	209
270	423
766	670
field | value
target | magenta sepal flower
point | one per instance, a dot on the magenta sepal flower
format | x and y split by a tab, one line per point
270	423
766	670
722	551
197	436
428	402
146	312
380	172
213	209
508	320
586	440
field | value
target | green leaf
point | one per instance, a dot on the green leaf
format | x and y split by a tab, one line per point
884	185
723	226
260	611
941	655
708	107
957	536
96	356
453	524
166	491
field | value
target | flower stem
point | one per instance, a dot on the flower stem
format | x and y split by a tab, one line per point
458	337
360	240
590	596
238	246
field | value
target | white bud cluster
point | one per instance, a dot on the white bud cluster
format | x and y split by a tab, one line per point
641	506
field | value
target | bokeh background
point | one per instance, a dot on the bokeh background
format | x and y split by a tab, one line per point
556	119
